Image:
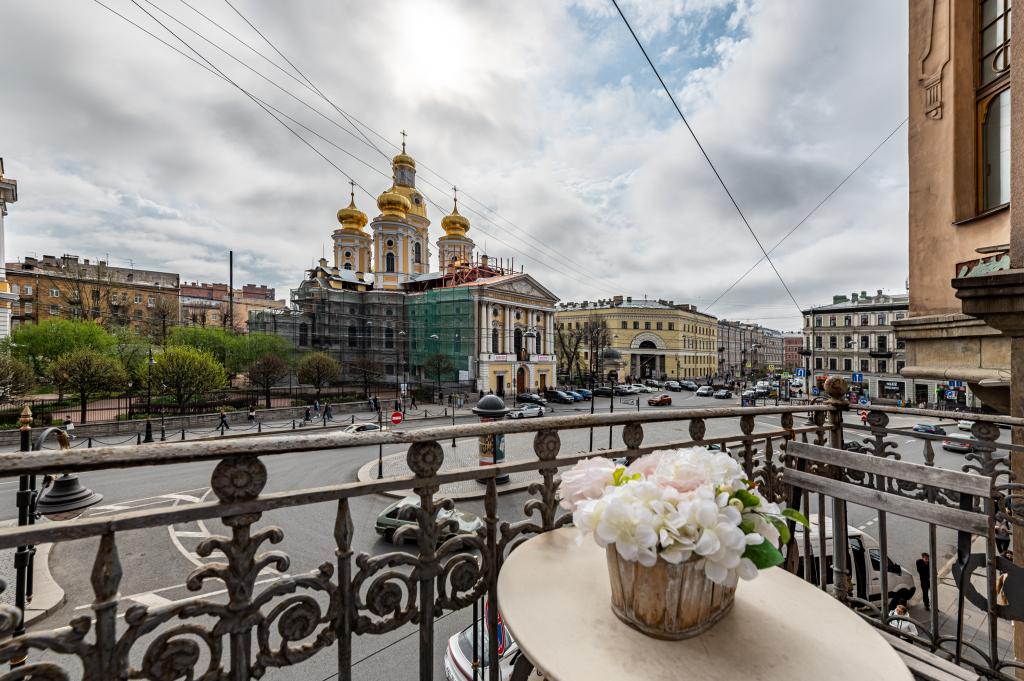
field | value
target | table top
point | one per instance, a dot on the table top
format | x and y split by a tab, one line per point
555	598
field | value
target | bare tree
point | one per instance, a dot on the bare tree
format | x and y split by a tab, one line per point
367	371
437	366
595	337
567	348
163	316
266	372
92	292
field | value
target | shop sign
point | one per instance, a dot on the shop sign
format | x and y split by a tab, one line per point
499	358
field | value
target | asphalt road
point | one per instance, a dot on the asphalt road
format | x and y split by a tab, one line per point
157	561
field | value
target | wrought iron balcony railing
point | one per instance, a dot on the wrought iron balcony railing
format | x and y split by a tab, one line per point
299	616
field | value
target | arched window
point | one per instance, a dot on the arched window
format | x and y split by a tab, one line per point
648	345
539	334
352	340
389	338
495	347
416	253
389	262
348	266
303	334
518	339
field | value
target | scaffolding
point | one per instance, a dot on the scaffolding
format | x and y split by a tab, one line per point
441	320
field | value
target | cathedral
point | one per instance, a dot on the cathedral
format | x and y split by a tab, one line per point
380	300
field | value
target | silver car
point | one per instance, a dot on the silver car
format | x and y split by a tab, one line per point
525	411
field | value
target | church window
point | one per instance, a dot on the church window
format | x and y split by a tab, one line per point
416	253
303	334
351	310
494	312
389	262
538	343
348	266
518	339
351	336
389	312
390	243
537	318
348	254
494	341
389	338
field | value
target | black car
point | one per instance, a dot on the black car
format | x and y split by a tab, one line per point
688	385
527	398
723	395
602	391
558	396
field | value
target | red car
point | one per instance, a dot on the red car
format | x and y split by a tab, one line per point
659	400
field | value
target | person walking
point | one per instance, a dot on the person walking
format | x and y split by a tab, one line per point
306	418
69	428
252	414
398	405
224	420
316	408
450	399
924	572
328	413
370	399
412	398
902	625
1002	536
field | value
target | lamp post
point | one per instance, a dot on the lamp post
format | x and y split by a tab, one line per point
163	408
129	401
149	398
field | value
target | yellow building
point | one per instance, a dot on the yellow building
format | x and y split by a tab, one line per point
653	339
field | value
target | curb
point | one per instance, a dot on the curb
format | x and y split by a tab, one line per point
367	474
47	596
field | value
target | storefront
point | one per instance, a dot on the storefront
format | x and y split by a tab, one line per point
892	390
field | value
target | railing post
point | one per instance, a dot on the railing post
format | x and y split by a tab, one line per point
21	556
424	460
343	532
105	578
836	387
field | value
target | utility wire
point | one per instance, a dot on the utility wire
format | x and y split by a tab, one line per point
808	215
706	157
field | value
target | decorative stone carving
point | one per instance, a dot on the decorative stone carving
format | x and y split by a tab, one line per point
239	478
633	435
546	445
425	458
697	429
934	20
878	419
836	387
747	424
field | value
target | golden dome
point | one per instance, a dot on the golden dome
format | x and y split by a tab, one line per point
352	217
403	159
455	224
394	204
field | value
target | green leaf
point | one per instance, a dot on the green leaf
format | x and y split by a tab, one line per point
795	516
748	499
763	555
747	525
783	529
617	476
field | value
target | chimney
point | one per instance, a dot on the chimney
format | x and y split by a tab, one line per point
617	300
87	261
863	294
879	291
585	303
672	303
628	299
853	297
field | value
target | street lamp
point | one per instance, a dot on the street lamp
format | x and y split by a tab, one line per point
129	401
163	408
149	398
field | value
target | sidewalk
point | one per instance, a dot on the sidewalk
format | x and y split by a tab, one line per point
47	596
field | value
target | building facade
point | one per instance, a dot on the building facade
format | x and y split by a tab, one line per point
70	288
855	338
380	302
654	339
959	158
8	195
746	351
212	305
792	343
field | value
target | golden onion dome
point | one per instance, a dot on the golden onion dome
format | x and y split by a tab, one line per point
394	204
352	217
403	159
455	224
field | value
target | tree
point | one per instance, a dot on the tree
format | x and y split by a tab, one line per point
437	366
16	379
368	371
163	317
266	372
567	347
243	349
86	372
596	338
213	340
317	369
188	372
41	344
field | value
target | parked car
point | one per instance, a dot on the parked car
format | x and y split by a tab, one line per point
673	386
652	383
640	388
867	564
723	395
389	521
624	390
749	395
603	391
658	400
796	383
854	446
458	656
705	391
528	398
558	396
689	385
959	443
526	411
360	428
964	424
587	395
576	397
928	428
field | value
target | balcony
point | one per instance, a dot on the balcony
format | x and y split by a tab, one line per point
880	352
400	595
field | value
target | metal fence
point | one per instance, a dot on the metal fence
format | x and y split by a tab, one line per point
298	616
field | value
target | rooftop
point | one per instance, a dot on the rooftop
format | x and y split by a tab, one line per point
856	301
618	302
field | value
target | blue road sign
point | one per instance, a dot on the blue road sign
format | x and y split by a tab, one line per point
814	391
857	378
950	394
956	384
863	400
800	373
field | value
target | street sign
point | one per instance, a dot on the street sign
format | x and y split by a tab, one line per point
863	400
800	373
956	384
737	374
857	378
627	400
814	391
771	367
396	418
785	374
748	365
950	394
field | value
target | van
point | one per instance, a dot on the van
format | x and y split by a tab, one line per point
865	560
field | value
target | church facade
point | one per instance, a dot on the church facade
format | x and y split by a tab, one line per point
379	300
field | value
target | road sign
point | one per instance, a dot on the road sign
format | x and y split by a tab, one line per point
771	367
857	378
814	391
627	400
956	384
863	400
748	365
396	418
737	374
800	373
785	374
950	394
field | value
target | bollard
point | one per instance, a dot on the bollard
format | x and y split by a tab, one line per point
259	427
293	424
353	418
138	438
183	434
163	434
90	444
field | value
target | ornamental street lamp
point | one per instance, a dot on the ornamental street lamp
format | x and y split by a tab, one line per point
163	408
129	401
149	398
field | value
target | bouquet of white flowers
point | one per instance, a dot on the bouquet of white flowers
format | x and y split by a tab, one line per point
679	505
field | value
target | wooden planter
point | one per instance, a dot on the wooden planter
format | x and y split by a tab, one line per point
666	601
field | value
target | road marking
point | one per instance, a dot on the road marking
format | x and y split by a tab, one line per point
182	497
151	599
183	533
145	596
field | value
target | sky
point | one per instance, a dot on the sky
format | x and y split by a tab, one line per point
568	155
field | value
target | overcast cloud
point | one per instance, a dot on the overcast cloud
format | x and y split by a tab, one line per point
545	113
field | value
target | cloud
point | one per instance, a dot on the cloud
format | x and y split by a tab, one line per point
546	113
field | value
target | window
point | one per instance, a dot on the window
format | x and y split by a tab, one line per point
389	338
15	288
352	340
864	320
647	325
901	344
124	298
807	321
865	366
348	266
389	312
848	342
865	342
389	369
848	320
54	292
833	342
389	262
28	308
416	253
538	343
832	321
671	326
832	363
348	254
28	289
494	341
636	325
96	295
882	319
138	314
901	315
151	301
817	363
54	310
847	365
817	321
899	365
883	343
624	325
390	243
881	366
138	297
212	316
659	326
995	149
817	342
994	28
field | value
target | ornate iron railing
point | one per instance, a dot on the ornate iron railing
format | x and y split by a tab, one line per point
296	617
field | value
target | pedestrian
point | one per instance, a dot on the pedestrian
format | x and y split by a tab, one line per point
902	625
481	393
306	418
69	428
1002	536
316	407
328	413
449	399
412	399
924	572
224	419
398	405
252	414
371	403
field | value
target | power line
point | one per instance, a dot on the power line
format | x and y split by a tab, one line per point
706	157
866	159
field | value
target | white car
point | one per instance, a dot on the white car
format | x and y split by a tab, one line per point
964	424
796	383
525	411
705	391
637	388
459	653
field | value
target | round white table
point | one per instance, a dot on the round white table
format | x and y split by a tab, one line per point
555	599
